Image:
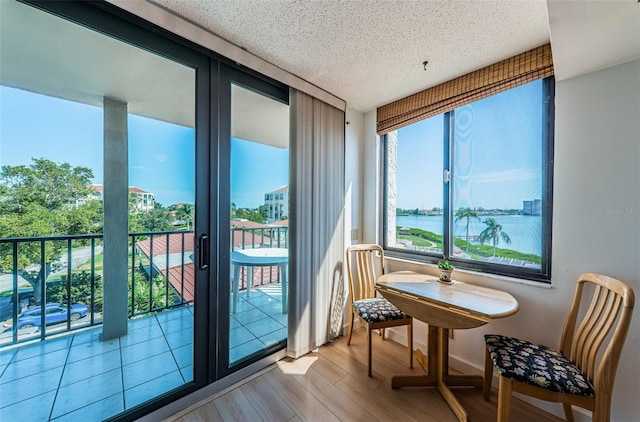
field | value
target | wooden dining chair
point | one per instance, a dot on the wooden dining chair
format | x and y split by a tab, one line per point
365	263
576	374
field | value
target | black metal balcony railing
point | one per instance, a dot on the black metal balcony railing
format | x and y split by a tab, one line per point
68	281
266	237
68	270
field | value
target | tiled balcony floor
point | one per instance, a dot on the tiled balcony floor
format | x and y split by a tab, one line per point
79	377
257	323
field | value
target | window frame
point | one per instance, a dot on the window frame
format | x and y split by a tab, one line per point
544	273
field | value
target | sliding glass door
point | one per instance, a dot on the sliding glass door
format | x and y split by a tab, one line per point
98	147
144	202
255	205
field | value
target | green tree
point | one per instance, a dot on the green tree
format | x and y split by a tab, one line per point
80	290
251	215
85	219
493	232
157	220
185	212
158	296
43	183
39	200
466	213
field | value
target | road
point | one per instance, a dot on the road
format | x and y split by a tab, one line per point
79	256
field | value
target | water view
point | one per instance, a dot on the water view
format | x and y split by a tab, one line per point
524	230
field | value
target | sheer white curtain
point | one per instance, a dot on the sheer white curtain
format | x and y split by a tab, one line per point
317	292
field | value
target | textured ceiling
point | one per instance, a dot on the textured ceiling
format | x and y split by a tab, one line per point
370	52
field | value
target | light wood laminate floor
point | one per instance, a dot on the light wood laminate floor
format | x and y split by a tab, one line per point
331	384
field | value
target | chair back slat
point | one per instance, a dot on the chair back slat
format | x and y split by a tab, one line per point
608	314
363	272
586	328
600	333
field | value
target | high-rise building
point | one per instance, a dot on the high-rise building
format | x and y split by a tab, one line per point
532	207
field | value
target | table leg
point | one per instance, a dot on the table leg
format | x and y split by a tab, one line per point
236	283
437	366
443	371
249	280
430	365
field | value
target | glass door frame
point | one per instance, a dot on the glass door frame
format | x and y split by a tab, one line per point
234	75
112	21
214	76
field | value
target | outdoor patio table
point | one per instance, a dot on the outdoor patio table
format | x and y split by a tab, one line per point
259	257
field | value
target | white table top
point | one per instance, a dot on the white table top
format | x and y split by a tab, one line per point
260	256
484	301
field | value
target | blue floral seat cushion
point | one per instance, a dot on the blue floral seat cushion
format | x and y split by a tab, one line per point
377	310
536	365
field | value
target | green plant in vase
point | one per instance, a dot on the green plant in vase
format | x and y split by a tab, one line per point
445	270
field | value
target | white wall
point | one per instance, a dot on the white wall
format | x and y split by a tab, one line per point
596	223
370	165
353	174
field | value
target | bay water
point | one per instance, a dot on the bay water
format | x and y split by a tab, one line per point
525	231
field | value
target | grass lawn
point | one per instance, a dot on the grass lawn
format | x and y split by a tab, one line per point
423	238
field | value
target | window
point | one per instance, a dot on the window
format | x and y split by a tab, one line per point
473	185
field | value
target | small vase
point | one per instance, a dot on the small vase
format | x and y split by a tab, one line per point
445	276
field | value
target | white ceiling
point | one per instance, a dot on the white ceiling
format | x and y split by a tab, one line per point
82	65
64	60
370	52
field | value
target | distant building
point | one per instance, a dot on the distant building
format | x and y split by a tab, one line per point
277	204
142	200
532	207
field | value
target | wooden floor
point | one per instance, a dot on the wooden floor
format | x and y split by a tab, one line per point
332	385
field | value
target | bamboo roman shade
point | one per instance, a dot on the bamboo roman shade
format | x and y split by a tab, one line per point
498	77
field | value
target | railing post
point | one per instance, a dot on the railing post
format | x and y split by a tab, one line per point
182	271
16	293
43	289
150	273
133	274
68	286
92	291
166	272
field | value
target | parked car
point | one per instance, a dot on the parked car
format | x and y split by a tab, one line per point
54	313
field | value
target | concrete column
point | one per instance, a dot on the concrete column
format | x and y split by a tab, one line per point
116	222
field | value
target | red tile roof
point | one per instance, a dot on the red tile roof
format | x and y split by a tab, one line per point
175	277
284	189
100	188
160	244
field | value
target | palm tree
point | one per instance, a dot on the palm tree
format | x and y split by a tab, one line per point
467	213
493	232
185	213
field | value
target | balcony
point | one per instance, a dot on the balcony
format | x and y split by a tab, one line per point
75	374
66	369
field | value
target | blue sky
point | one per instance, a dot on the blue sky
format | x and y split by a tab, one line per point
161	155
493	169
256	169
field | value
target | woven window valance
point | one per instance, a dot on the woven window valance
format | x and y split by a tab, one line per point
498	77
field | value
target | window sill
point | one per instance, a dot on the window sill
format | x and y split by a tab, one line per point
400	264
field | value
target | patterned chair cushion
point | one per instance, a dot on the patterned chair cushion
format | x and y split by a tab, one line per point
537	365
377	310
